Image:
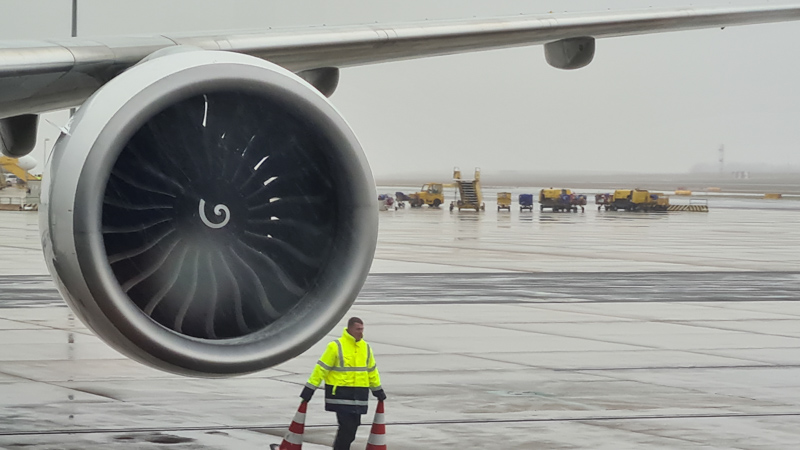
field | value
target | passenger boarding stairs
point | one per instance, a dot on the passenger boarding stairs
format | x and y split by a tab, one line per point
469	191
469	195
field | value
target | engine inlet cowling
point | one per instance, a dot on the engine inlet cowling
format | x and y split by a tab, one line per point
209	214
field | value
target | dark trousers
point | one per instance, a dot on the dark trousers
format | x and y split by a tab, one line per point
348	425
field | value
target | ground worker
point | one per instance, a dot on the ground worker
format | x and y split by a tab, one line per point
349	371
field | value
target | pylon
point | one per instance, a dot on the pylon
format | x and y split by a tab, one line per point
294	437
377	435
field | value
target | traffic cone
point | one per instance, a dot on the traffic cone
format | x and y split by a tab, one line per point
294	437
377	435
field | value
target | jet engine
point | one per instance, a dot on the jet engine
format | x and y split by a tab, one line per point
208	214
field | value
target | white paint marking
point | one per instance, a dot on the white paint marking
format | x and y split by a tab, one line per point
218	210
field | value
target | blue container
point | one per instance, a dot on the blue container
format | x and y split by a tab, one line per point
526	199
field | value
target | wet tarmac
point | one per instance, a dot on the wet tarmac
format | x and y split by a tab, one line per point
736	234
492	330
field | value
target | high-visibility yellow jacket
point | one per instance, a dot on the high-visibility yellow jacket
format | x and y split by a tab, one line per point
349	371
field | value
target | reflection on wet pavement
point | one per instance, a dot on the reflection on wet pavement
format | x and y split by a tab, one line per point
723	239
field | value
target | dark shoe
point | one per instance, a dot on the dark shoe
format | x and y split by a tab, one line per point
274	447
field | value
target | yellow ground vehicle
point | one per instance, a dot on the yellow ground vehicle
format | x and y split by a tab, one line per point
431	194
16	171
504	201
638	200
561	200
469	192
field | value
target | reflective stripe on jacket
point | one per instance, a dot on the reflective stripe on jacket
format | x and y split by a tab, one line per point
350	365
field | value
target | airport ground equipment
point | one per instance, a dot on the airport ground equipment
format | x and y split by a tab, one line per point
386	202
401	199
526	202
695	205
377	434
560	200
504	201
469	192
579	200
15	171
603	201
638	200
431	194
11	203
293	439
32	195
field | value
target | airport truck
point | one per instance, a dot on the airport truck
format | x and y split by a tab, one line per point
431	194
638	200
561	200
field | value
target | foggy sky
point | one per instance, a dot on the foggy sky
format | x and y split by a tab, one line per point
655	103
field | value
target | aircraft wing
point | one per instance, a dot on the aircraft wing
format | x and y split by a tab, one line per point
39	76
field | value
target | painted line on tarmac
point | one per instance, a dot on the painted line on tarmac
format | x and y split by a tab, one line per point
551	302
624	369
414	423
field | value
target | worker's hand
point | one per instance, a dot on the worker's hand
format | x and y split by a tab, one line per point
379	394
307	394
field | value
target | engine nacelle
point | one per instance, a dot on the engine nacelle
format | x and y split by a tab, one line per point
209	213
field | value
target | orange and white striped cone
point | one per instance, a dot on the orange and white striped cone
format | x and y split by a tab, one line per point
294	437
377	435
